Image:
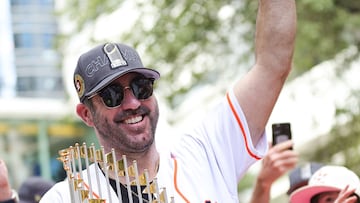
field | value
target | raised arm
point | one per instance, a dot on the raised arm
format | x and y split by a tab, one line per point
258	91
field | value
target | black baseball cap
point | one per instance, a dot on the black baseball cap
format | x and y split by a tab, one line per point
105	63
33	188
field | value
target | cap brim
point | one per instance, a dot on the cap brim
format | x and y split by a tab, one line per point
147	72
305	193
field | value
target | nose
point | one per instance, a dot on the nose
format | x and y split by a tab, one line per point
129	101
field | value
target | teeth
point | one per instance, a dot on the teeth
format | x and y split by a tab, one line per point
133	120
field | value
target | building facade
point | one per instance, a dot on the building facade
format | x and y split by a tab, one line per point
37	63
36	119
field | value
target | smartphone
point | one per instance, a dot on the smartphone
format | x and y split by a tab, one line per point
280	132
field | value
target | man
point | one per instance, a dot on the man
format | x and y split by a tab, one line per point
205	164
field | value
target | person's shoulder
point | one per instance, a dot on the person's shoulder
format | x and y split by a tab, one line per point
56	193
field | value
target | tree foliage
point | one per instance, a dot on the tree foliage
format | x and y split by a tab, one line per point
342	145
177	36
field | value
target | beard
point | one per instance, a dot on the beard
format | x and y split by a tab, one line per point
112	135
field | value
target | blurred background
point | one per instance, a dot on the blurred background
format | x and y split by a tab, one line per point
200	47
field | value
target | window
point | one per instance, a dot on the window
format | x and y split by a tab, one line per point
23	40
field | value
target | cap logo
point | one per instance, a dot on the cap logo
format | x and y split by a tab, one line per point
95	65
79	85
114	55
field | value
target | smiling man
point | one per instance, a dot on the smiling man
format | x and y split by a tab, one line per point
206	164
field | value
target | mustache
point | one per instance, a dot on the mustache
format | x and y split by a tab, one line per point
142	110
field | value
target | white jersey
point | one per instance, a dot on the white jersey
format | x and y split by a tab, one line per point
205	165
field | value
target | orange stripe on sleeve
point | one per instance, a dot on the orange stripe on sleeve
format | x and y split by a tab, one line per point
175	182
241	128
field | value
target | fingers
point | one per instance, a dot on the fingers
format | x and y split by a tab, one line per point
282	146
282	152
278	161
5	189
3	174
284	161
280	155
346	196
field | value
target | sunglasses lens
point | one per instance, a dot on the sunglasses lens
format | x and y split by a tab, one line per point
112	95
142	88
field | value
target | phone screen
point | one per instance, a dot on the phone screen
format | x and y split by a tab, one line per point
281	132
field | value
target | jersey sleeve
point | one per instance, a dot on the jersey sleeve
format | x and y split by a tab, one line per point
226	139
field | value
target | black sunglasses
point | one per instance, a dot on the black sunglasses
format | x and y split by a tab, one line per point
113	95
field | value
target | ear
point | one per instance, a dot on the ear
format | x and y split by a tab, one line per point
84	113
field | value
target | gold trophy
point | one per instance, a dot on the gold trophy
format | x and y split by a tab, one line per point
76	158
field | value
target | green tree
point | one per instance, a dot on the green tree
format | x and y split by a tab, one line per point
180	35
